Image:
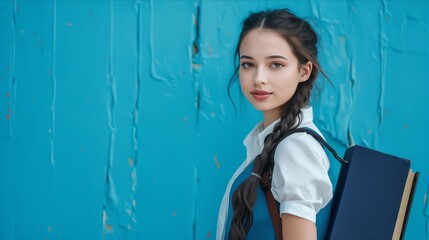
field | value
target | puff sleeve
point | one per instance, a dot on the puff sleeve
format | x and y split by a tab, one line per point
301	183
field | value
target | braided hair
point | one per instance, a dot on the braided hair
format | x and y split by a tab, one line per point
303	40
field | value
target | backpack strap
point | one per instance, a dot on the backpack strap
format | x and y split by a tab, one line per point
273	209
267	179
316	136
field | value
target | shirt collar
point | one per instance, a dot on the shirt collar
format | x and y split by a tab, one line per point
307	115
253	134
266	131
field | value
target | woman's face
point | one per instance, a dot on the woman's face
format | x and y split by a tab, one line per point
269	71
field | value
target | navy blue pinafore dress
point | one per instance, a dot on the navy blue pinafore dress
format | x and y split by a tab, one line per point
262	227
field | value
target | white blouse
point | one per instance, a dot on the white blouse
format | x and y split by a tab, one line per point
300	176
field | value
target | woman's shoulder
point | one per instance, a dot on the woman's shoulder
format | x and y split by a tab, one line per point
302	143
303	137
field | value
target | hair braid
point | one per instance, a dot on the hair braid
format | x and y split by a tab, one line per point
245	196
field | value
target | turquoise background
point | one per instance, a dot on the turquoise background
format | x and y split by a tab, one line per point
115	121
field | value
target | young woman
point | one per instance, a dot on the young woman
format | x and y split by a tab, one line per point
278	67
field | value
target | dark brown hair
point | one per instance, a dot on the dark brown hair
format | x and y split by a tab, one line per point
303	40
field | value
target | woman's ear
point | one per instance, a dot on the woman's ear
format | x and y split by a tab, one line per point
306	71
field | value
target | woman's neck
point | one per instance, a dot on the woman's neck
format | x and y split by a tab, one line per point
270	117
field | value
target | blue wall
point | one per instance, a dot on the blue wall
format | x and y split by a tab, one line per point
115	121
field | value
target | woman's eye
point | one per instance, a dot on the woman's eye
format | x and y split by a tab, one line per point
246	65
276	65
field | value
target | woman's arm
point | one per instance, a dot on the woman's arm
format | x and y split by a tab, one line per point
296	228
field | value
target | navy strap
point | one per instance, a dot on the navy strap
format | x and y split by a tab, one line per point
318	138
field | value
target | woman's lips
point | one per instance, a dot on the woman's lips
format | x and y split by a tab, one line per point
260	94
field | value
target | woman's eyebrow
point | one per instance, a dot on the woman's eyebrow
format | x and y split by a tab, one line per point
277	56
269	57
246	57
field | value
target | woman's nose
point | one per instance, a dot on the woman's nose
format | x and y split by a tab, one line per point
261	76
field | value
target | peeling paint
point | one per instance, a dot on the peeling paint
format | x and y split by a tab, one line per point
138	83
108	229
133	213
8	80
196	62
12	69
154	62
110	205
54	82
384	16
216	161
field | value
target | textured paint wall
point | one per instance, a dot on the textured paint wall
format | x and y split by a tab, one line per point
115	121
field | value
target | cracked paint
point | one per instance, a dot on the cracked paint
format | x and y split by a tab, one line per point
54	83
216	160
196	62
8	81
384	17
154	62
110	205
